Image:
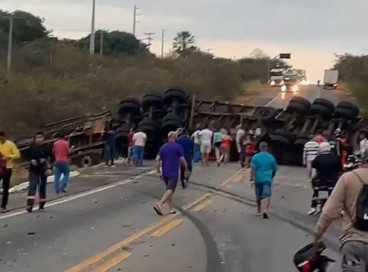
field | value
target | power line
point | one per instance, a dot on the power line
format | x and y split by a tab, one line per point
149	39
135	17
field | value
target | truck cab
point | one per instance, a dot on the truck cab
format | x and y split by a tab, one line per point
277	77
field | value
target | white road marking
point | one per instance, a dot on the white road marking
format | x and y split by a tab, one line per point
273	100
80	195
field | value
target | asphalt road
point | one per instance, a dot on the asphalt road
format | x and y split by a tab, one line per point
114	228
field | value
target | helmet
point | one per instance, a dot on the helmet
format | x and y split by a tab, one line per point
310	259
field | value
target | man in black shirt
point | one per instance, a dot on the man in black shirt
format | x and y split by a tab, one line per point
40	157
328	168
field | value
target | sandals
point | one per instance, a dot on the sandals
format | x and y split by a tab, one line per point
173	212
157	210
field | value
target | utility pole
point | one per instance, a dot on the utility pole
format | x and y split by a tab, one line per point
163	43
149	39
92	37
135	16
10	43
101	42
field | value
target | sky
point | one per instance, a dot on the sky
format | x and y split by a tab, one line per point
313	31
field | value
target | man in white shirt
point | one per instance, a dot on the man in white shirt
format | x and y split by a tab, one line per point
139	142
206	142
311	149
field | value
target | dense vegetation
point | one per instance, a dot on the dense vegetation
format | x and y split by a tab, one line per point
52	79
353	71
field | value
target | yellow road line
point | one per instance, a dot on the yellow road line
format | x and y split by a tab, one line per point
165	229
112	262
103	254
201	206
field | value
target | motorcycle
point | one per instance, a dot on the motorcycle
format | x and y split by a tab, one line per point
352	162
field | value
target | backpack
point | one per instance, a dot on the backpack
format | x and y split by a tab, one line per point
361	219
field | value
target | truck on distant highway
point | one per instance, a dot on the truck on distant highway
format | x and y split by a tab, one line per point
331	79
277	77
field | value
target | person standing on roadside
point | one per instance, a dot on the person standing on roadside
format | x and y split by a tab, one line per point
10	153
206	143
239	140
169	159
130	146
40	157
310	152
197	145
139	142
264	168
350	196
61	167
187	144
110	148
249	150
217	140
225	148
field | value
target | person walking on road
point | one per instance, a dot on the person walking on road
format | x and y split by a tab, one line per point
197	145
130	150
328	168
187	144
139	142
10	153
264	168
110	148
310	152
349	195
169	159
217	140
40	157
319	138
61	167
206	142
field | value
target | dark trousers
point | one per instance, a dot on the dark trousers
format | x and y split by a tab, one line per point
315	185
182	174
6	185
37	182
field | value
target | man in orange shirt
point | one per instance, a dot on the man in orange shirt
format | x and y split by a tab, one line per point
61	167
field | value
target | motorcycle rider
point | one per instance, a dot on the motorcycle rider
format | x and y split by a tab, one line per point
328	168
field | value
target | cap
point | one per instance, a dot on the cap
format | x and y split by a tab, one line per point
263	145
324	147
171	134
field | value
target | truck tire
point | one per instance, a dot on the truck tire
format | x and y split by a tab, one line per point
301	100
324	102
168	126
171	117
152	100
175	94
345	113
347	105
301	141
279	139
321	110
129	107
296	107
264	113
283	132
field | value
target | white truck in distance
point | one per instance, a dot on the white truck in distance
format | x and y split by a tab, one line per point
330	79
277	77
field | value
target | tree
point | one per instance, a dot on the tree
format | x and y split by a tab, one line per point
27	27
258	54
116	43
184	43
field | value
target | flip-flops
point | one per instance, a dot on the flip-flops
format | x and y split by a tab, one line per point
173	212
157	210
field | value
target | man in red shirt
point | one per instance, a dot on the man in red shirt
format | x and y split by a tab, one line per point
61	154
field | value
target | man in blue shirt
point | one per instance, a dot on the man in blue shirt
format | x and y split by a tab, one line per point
188	145
264	168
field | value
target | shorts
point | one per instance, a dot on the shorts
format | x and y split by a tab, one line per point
263	190
171	183
217	145
205	148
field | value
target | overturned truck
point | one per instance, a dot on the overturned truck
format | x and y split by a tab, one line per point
286	130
